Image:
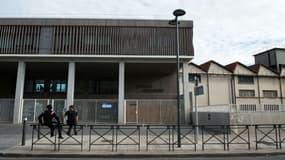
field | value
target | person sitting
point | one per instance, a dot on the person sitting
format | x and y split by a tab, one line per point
51	120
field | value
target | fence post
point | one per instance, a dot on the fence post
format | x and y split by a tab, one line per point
24	132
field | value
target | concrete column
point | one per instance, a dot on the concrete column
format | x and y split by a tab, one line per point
70	84
121	98
186	89
18	104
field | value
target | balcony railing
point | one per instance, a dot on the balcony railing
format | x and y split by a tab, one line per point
242	108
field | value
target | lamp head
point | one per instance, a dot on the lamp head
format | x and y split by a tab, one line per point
179	12
172	22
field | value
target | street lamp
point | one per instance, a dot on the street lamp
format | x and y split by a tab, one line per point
177	13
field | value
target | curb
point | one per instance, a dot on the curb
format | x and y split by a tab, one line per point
140	155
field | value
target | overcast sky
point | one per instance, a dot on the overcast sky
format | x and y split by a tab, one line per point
224	30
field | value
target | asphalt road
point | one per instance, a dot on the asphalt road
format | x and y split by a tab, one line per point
282	157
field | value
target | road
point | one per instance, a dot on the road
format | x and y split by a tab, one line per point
280	157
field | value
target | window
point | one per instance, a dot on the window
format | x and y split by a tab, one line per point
192	77
269	93
246	93
39	86
246	79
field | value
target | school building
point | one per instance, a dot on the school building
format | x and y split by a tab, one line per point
112	70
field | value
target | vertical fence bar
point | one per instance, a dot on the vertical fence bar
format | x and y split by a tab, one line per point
138	127
90	137
147	127
248	136
279	132
224	132
34	127
228	129
275	129
113	128
81	127
169	140
202	137
117	128
256	143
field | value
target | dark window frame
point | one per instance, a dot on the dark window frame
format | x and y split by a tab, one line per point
273	92
246	79
191	77
244	94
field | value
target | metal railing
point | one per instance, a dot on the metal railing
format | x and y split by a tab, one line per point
266	134
69	139
233	108
213	135
187	136
159	135
41	136
238	135
163	137
101	135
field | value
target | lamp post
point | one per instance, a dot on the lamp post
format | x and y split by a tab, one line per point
177	13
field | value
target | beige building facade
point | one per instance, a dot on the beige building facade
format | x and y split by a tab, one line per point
237	94
237	84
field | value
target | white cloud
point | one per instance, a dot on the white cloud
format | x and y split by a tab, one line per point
224	30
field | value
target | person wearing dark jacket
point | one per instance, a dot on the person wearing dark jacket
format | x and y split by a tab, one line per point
72	119
50	119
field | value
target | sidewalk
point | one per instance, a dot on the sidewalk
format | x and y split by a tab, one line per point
12	133
131	152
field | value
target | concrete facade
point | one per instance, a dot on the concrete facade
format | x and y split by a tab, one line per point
94	64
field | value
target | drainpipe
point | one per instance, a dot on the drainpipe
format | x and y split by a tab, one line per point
281	95
208	89
258	92
230	90
233	90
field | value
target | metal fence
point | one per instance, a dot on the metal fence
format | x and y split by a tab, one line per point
164	137
158	111
89	110
34	107
97	110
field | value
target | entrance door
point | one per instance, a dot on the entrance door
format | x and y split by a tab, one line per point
131	112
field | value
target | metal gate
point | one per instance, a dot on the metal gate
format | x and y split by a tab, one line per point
34	107
97	110
152	111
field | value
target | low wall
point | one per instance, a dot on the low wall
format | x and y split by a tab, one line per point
227	118
257	118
